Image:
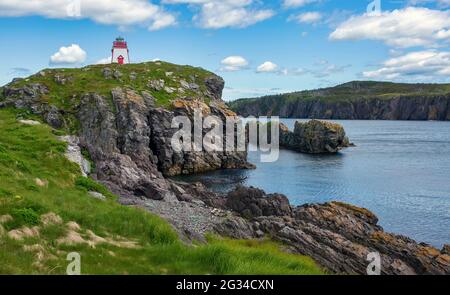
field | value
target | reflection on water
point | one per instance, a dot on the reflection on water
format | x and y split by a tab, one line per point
399	170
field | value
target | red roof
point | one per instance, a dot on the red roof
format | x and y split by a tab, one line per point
120	44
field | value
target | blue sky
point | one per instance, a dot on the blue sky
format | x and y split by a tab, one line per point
259	47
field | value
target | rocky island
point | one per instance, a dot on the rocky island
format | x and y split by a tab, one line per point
119	119
314	137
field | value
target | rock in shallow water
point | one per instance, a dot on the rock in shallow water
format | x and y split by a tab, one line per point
314	137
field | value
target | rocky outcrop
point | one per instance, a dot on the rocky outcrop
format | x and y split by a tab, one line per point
314	137
337	235
129	138
173	163
251	203
29	97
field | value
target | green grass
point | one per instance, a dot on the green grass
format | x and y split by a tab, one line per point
90	79
30	152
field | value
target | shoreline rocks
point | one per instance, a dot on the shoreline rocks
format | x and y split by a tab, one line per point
338	236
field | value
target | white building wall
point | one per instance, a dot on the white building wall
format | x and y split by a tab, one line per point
118	52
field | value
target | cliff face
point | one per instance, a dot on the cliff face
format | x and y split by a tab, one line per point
351	105
127	130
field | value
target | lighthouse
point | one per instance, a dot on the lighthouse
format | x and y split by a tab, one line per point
120	52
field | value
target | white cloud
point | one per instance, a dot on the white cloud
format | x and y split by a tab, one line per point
417	65
267	67
234	63
163	21
216	14
409	27
307	17
118	12
297	3
104	61
72	54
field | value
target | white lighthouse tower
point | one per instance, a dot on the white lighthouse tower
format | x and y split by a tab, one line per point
120	53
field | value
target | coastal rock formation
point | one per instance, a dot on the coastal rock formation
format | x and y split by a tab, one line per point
126	134
314	137
337	235
355	101
173	163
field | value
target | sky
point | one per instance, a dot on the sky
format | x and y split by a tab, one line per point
258	47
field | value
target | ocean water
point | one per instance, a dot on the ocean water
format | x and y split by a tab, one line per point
400	170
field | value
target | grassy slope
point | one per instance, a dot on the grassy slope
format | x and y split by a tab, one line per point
349	91
30	152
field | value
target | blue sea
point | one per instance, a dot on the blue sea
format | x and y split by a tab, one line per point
400	170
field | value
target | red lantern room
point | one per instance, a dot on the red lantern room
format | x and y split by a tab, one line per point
120	53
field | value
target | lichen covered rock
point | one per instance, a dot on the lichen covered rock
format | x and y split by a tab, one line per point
338	236
314	137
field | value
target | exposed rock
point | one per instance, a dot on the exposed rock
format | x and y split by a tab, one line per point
446	249
73	153
184	84
252	202
236	228
215	86
29	122
119	145
117	74
61	80
53	117
338	236
107	73
314	137
156	85
169	90
133	76
173	163
29	97
97	196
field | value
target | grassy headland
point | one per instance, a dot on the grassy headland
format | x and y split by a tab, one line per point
46	212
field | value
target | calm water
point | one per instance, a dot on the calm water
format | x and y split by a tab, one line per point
399	170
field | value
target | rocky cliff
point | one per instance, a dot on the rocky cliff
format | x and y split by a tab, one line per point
123	116
355	101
